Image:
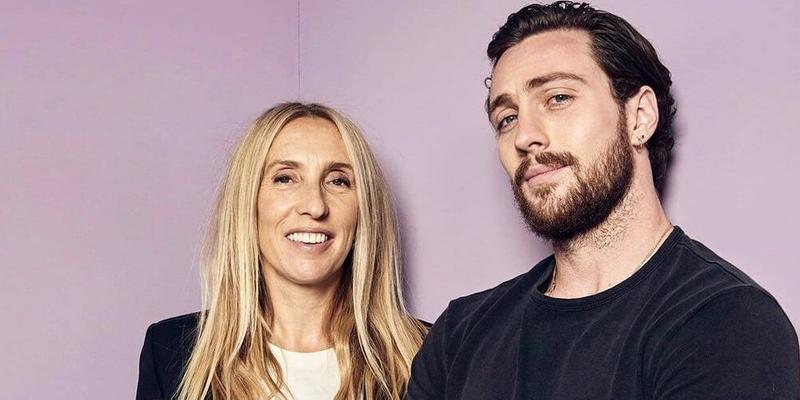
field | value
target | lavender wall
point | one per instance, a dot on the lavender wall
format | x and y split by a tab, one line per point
412	75
115	122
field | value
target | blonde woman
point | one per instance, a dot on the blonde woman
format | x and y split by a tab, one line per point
301	276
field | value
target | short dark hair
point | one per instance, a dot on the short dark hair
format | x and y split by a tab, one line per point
629	60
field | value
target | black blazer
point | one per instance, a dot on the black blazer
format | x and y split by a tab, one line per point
166	350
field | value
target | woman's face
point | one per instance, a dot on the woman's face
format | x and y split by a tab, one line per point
307	205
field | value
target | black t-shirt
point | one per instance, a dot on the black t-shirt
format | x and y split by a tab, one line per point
687	325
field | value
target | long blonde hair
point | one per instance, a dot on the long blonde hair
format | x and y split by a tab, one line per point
373	335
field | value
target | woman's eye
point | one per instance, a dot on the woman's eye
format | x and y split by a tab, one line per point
282	179
343	182
506	121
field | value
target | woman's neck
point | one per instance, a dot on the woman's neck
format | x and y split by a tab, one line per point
301	315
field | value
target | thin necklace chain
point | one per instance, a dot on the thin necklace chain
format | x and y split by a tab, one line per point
552	287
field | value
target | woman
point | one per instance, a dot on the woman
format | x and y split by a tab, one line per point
301	272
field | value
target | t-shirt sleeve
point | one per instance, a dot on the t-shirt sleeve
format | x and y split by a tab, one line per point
429	369
739	345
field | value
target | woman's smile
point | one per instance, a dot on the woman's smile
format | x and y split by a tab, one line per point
310	242
307	204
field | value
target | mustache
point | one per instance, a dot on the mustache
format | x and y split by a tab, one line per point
554	159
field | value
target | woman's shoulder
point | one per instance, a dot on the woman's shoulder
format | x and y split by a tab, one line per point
167	347
174	335
175	325
424	323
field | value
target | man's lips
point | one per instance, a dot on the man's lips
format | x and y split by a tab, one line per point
541	171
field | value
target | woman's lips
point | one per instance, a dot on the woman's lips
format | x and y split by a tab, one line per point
315	248
310	248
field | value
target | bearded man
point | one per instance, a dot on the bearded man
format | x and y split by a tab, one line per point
628	306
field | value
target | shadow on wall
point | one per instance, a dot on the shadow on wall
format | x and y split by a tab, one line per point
407	274
674	155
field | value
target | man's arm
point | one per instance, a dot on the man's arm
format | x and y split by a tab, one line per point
739	345
429	369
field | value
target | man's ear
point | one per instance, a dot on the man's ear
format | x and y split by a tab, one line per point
642	112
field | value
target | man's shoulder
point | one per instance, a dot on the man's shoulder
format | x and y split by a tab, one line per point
710	319
470	302
700	281
499	302
708	271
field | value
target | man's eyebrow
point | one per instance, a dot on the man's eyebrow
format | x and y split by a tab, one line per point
504	100
533	83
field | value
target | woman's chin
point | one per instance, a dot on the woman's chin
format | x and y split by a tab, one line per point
313	276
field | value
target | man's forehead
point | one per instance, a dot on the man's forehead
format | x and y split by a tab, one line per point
540	54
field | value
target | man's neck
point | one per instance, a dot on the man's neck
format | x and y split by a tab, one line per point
612	251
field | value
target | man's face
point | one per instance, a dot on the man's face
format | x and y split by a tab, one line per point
561	135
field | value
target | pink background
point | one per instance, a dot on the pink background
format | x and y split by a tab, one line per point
116	119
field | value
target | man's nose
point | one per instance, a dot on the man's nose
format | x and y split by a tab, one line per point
530	136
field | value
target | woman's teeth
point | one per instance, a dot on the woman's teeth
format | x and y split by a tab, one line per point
307	237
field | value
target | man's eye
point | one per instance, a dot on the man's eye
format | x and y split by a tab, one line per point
559	99
505	122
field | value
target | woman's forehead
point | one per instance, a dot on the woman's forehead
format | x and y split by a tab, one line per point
309	139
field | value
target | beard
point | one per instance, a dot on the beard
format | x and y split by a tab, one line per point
598	190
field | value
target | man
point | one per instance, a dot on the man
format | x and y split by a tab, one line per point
628	307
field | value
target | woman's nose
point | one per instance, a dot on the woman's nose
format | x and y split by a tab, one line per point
312	202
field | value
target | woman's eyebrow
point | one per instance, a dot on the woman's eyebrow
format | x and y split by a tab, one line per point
287	163
339	165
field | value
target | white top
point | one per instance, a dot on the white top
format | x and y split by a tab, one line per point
308	376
